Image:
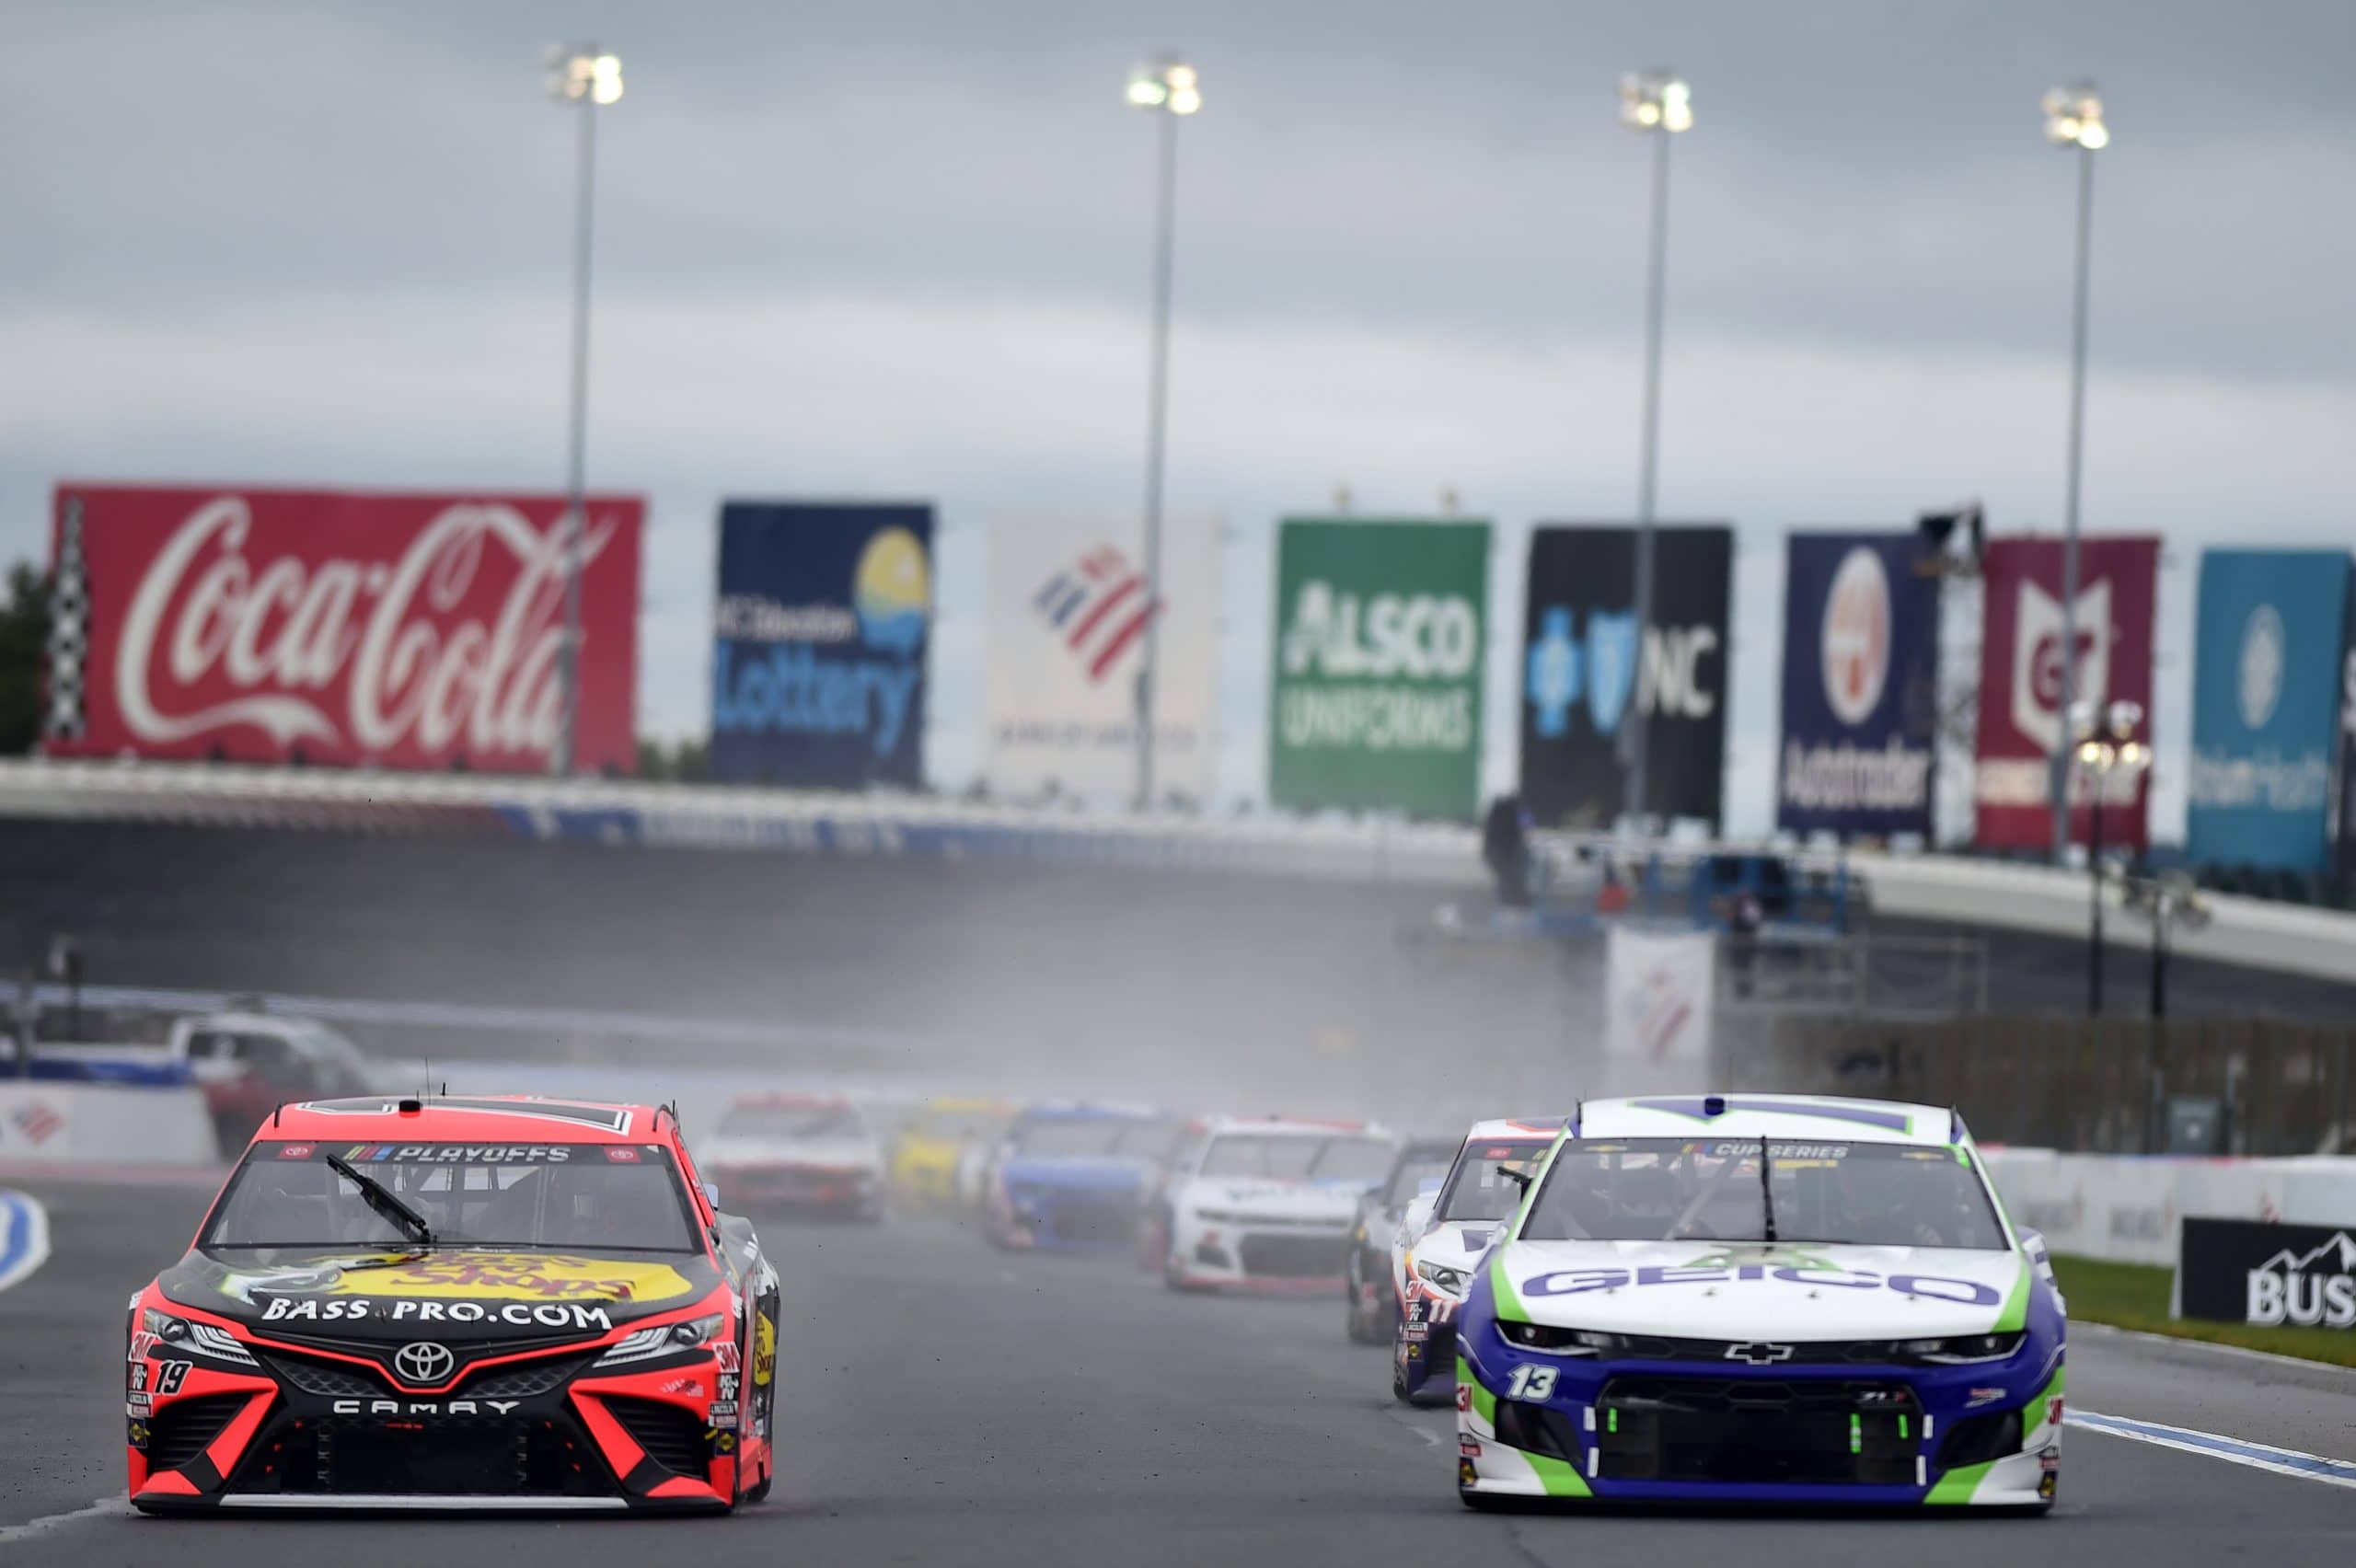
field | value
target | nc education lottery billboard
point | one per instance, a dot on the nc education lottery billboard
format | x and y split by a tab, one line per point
1380	639
337	628
820	634
2021	721
1860	663
1590	674
2266	698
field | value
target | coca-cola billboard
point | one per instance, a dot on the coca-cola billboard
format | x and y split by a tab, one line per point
2021	719
344	628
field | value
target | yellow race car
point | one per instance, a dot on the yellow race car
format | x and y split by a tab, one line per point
941	1151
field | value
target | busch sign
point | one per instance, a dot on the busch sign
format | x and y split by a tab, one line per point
319	627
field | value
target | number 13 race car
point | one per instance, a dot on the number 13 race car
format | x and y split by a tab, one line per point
1761	1298
457	1303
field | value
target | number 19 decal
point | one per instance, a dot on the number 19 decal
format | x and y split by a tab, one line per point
1533	1383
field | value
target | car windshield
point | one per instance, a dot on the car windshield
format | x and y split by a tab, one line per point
1709	1189
956	1126
754	1120
1299	1156
1082	1136
1479	1189
1414	1169
619	1196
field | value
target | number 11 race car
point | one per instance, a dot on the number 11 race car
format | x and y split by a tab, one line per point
1761	1298
457	1303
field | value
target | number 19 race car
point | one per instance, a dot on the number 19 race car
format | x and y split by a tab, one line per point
457	1303
1761	1298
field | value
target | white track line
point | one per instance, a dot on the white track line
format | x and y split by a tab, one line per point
24	1237
2211	1444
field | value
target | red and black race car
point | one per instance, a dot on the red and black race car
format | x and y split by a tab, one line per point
457	1303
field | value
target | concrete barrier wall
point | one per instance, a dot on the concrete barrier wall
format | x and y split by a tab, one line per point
78	1123
2125	1208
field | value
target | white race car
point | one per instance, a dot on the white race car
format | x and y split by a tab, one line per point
1763	1298
1268	1204
812	1152
1441	1240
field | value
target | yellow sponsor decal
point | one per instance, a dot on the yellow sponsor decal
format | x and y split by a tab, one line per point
764	1349
522	1276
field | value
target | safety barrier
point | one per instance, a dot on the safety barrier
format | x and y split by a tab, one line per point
2125	1208
71	1124
2242	931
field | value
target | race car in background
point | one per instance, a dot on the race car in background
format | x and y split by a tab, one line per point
465	1303
1268	1204
812	1153
1438	1245
942	1154
1370	1293
1761	1298
1075	1176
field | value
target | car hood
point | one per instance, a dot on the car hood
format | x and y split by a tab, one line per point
834	1154
451	1294
1096	1172
1715	1290
1262	1199
1457	1243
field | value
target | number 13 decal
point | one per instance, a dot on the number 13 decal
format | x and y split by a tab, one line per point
1532	1383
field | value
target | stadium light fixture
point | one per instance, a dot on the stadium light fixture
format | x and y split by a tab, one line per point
1659	105
1171	90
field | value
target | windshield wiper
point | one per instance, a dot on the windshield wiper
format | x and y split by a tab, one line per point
1766	1187
380	1198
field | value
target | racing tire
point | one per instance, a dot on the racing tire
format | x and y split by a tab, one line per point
1399	1388
760	1493
1172	1279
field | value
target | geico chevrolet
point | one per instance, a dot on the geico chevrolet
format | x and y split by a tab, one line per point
1761	1298
457	1303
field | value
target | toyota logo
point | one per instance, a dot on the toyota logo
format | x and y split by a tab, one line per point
424	1364
1759	1354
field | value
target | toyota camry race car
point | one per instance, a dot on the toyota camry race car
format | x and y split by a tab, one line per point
1761	1298
1369	1292
1269	1203
460	1303
1439	1246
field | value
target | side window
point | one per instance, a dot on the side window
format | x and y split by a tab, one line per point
268	1055
704	1211
207	1046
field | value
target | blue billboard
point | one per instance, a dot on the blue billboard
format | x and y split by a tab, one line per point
2266	699
1860	667
819	639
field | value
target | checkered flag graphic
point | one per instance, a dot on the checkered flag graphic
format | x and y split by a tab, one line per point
69	629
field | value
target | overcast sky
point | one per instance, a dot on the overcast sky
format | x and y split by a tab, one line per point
900	249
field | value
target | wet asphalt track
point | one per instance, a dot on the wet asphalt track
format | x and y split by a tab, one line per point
946	1404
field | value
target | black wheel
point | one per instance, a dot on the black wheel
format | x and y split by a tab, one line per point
760	1493
1399	1388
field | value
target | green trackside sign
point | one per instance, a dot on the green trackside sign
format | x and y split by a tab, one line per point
1382	639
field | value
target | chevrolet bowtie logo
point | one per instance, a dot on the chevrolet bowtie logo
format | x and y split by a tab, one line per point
1759	1353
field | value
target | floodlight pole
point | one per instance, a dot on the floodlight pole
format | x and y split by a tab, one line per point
562	757
2060	775
1157	426
1637	735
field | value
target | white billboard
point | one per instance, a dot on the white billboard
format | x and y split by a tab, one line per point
1660	994
1067	615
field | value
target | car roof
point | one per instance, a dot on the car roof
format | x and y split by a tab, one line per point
463	1118
782	1101
1770	1115
1516	1129
1084	1111
1293	1126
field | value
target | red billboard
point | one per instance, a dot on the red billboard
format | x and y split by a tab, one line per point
337	628
2021	721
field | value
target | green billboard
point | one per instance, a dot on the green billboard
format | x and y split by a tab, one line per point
1382	639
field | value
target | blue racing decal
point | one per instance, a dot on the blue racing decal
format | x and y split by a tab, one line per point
1937	1287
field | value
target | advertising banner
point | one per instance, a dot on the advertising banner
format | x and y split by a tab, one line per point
2344	790
1066	629
819	639
2021	721
1660	1000
1860	664
2241	1271
338	628
2266	699
1588	674
1380	641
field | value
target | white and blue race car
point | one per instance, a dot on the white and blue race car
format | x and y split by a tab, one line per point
1761	1298
1440	1241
